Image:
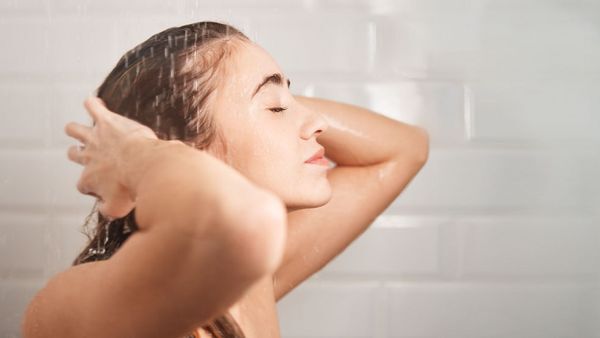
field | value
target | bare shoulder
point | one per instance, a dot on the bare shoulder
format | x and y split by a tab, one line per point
58	292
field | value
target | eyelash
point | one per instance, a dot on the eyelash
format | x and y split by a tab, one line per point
277	109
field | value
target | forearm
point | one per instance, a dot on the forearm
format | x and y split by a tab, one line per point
186	252
358	136
183	187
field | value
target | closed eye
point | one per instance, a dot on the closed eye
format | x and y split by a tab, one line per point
277	109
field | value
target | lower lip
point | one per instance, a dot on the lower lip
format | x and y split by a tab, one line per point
319	161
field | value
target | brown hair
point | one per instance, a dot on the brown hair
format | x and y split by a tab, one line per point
166	83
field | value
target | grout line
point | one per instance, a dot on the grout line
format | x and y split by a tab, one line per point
469	112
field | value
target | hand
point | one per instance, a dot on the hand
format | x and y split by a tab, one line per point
101	156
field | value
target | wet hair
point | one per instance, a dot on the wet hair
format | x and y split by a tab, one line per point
167	83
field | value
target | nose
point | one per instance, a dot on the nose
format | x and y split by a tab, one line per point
314	124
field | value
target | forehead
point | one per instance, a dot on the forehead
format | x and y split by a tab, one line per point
251	54
248	66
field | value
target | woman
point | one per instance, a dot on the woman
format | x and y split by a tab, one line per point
214	197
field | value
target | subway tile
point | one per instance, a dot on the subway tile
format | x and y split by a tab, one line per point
393	245
22	245
64	242
23	120
400	48
490	310
491	179
20	57
546	10
133	30
417	46
438	106
24	178
399	6
536	111
81	46
60	47
332	309
91	8
537	47
15	295
530	247
594	314
23	7
66	106
39	179
317	43
170	8
62	185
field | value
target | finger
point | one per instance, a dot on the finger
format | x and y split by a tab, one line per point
96	108
78	131
76	155
84	188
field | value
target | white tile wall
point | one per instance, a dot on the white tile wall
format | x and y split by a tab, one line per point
322	309
15	294
498	236
489	310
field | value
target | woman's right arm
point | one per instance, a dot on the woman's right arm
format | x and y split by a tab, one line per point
206	235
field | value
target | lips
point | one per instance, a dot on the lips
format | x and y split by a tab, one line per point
317	156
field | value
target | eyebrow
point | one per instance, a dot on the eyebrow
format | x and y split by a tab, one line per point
275	78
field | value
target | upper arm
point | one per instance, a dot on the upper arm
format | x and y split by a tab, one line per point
359	195
161	283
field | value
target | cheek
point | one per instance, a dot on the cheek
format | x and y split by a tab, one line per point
278	160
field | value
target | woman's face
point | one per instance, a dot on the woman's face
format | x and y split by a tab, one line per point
268	146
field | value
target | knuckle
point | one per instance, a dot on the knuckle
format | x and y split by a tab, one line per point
71	153
71	128
68	128
85	176
82	186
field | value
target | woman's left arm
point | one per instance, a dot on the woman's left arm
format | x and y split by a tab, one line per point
376	157
357	136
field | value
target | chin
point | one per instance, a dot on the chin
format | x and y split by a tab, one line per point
312	198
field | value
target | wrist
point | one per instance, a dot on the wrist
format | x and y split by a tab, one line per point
137	156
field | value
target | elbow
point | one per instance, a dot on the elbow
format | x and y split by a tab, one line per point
414	149
422	145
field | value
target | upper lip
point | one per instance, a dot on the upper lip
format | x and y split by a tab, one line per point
320	153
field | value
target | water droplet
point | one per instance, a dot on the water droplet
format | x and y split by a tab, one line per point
127	229
172	74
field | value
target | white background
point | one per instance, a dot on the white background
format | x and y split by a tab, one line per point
498	236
